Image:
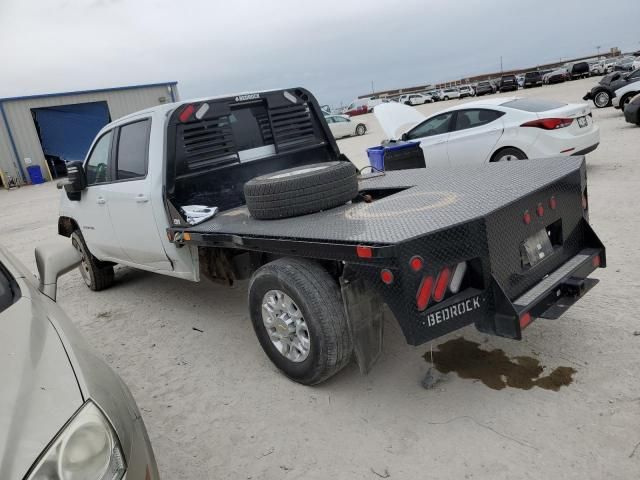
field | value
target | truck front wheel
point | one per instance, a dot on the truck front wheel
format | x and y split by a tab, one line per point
96	274
298	316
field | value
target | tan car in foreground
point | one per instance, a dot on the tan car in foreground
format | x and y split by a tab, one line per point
64	414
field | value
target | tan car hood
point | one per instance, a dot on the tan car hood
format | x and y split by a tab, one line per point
38	389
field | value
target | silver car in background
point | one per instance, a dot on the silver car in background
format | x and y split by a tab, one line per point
64	414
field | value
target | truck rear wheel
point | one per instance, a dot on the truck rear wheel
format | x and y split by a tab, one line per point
298	316
301	190
96	274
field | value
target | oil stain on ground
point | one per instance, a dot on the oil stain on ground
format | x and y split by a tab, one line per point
494	368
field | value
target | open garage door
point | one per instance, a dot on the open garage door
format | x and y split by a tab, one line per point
66	131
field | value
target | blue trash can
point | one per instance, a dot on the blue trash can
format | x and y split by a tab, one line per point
35	174
377	154
376	157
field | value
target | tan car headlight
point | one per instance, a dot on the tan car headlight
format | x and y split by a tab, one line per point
86	449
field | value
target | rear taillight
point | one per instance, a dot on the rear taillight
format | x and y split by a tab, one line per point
364	252
441	284
424	293
549	123
449	278
585	200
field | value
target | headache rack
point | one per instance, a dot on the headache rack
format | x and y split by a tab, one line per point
215	146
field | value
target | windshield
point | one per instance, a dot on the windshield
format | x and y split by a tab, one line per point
533	105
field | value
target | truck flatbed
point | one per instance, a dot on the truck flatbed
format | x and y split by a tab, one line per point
419	207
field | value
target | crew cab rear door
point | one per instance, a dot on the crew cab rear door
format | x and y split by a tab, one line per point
130	197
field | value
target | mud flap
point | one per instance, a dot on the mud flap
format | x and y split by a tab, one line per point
365	315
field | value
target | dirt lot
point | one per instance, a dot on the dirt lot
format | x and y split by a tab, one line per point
215	407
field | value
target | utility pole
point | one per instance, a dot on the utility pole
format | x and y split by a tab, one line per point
500	63
598	47
372	89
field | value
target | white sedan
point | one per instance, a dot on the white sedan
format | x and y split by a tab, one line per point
344	126
491	130
416	99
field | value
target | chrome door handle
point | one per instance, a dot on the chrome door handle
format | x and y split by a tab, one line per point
101	200
142	198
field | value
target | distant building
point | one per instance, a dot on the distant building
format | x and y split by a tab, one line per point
46	131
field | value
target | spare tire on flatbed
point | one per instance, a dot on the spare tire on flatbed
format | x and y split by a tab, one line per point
301	190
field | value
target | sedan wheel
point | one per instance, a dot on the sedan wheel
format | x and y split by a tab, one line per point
361	130
508	154
602	99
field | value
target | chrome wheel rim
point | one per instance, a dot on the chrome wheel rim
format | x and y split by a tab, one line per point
285	326
360	130
601	99
84	263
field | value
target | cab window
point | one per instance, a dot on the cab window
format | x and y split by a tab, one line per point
97	166
434	126
133	141
473	118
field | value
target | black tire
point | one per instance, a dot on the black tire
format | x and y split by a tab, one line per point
602	99
318	298
361	129
301	190
97	275
445	98
626	99
512	151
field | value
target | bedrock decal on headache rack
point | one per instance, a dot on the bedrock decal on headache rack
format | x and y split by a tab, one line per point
251	96
453	311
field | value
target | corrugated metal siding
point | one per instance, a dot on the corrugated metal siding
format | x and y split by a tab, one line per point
7	165
120	102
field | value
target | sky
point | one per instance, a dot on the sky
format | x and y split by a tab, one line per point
335	48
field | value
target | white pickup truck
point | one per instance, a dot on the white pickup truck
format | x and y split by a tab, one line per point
325	247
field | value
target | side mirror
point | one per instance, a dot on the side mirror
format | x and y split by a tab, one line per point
405	137
77	178
54	260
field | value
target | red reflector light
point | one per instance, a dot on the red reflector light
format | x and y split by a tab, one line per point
416	263
441	284
595	261
185	115
525	319
553	203
386	276
540	210
549	123
424	293
526	218
585	202
364	252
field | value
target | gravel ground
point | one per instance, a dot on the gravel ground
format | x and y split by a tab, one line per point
215	407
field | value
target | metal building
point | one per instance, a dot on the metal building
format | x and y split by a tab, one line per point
46	131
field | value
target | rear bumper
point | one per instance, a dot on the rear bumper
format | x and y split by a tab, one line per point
587	150
559	290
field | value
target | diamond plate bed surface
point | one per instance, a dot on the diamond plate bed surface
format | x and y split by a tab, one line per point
436	199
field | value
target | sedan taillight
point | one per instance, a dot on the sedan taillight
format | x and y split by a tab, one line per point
549	123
